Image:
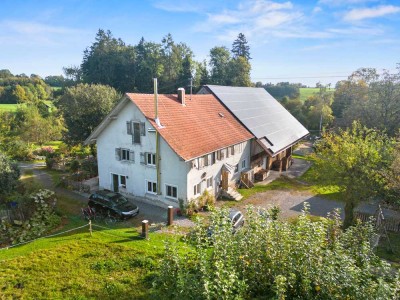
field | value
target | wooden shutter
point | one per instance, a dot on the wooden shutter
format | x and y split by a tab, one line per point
132	156
128	127
118	153
142	128
212	158
143	158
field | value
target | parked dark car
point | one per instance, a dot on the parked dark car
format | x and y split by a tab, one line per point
117	204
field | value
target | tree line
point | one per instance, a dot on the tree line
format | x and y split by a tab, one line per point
22	89
131	68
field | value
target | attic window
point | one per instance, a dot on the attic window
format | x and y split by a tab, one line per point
221	115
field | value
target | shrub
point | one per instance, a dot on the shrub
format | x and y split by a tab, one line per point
52	159
18	150
44	151
89	165
43	219
9	175
272	259
74	166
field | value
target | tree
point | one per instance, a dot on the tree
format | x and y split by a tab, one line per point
5	73
282	89
19	94
110	62
317	109
9	175
273	259
84	106
38	129
346	93
392	176
240	47
374	100
147	65
239	72
219	63
353	159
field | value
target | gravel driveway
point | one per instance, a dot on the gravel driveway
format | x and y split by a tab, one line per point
291	203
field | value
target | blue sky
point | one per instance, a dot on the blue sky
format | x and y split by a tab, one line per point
299	41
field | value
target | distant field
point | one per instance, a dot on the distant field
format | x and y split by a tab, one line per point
307	92
13	107
8	107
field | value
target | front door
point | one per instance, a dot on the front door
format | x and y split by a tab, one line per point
115	182
225	180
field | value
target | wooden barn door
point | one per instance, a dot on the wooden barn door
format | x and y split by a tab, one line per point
225	180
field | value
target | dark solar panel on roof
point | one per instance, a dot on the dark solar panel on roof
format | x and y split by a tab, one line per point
262	114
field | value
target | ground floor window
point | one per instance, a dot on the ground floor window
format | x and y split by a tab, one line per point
209	182
197	189
171	191
151	187
243	164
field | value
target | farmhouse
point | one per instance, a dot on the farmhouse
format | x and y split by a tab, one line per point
275	130
167	148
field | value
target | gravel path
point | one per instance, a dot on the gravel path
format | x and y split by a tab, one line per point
291	203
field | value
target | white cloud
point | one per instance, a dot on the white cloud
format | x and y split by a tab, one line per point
252	17
35	33
317	9
36	28
358	14
344	2
179	6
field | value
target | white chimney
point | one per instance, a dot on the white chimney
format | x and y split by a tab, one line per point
181	96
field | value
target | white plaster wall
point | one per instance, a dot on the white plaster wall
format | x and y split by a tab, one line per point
173	169
195	175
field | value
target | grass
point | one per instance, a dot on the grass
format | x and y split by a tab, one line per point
8	107
331	192
111	264
307	92
384	251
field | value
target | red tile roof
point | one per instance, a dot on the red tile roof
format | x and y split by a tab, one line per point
195	129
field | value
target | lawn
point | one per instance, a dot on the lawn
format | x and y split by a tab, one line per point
8	107
111	264
307	92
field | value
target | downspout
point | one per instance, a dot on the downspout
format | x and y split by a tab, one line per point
157	139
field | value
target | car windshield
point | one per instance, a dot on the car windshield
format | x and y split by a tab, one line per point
118	199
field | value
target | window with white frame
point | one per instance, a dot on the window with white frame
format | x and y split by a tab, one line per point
171	191
197	189
243	164
151	187
151	159
122	181
236	168
123	154
209	182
